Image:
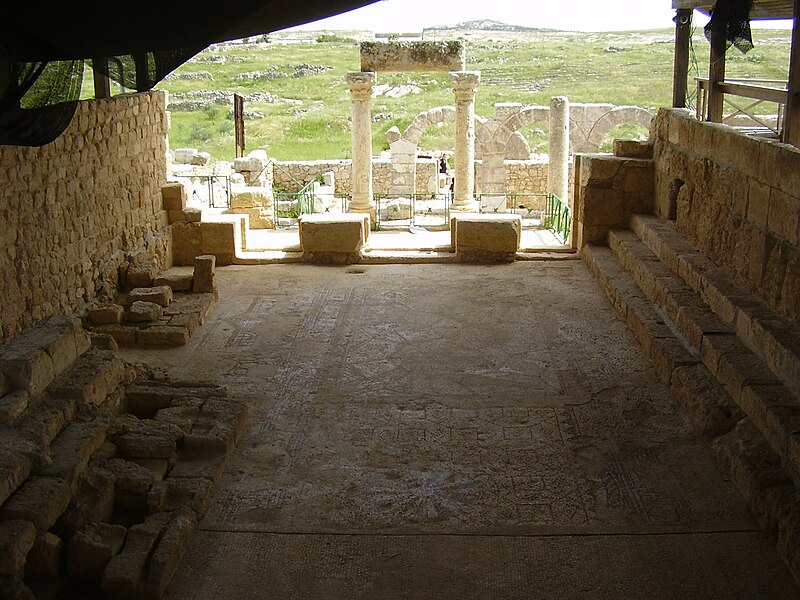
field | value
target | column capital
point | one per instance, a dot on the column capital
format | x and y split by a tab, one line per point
465	83
360	84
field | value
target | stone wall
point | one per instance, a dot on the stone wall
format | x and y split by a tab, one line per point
526	177
413	56
738	198
291	176
608	189
75	210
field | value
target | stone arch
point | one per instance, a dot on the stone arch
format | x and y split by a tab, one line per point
526	115
616	116
429	118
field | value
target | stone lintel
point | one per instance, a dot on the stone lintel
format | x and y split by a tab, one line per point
413	56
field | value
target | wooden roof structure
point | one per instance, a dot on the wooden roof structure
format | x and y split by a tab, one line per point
717	86
762	9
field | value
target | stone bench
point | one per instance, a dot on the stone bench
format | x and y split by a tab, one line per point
333	238
485	238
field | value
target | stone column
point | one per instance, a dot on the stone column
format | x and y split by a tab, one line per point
465	83
360	85
558	169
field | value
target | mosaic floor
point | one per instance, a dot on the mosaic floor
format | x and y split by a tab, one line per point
454	431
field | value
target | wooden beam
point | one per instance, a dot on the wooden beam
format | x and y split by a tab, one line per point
716	75
102	84
142	71
791	124
680	71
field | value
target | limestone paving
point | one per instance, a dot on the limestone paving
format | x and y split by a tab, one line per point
388	455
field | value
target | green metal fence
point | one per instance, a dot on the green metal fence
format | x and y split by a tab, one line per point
538	211
558	217
412	210
288	206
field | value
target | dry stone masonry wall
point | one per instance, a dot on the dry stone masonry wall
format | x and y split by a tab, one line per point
106	467
738	198
75	210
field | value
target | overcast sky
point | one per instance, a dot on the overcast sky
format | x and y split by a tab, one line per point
581	15
396	16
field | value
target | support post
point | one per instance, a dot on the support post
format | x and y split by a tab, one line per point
791	124
558	168
680	72
465	84
142	71
102	84
360	84
716	75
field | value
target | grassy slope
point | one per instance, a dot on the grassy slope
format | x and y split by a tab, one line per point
620	68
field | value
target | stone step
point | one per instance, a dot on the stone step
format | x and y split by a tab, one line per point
771	336
631	274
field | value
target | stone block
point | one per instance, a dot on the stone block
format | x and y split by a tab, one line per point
103	341
192	215
141	275
176	493
16	540
92	502
144	400
344	234
161	295
140	312
123	577
709	408
163	335
203	276
187	242
219	239
138	445
27	367
174	196
667	354
41	500
413	56
784	215
124	335
738	370
72	450
130	477
94	377
486	238
13	406
178	283
91	548
758	196
714	346
632	149
193	465
181	416
14	470
110	314
45	557
168	552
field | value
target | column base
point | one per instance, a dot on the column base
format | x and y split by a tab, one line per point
470	206
370	210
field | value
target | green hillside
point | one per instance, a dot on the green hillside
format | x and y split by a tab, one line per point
299	107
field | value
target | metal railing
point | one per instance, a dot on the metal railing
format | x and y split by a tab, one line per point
538	211
412	210
215	189
558	217
288	206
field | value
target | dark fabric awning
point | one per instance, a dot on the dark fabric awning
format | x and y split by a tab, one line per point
35	31
43	48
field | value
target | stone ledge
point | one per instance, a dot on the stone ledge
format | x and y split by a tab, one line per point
333	239
485	238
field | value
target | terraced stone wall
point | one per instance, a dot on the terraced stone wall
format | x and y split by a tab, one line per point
75	210
738	198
